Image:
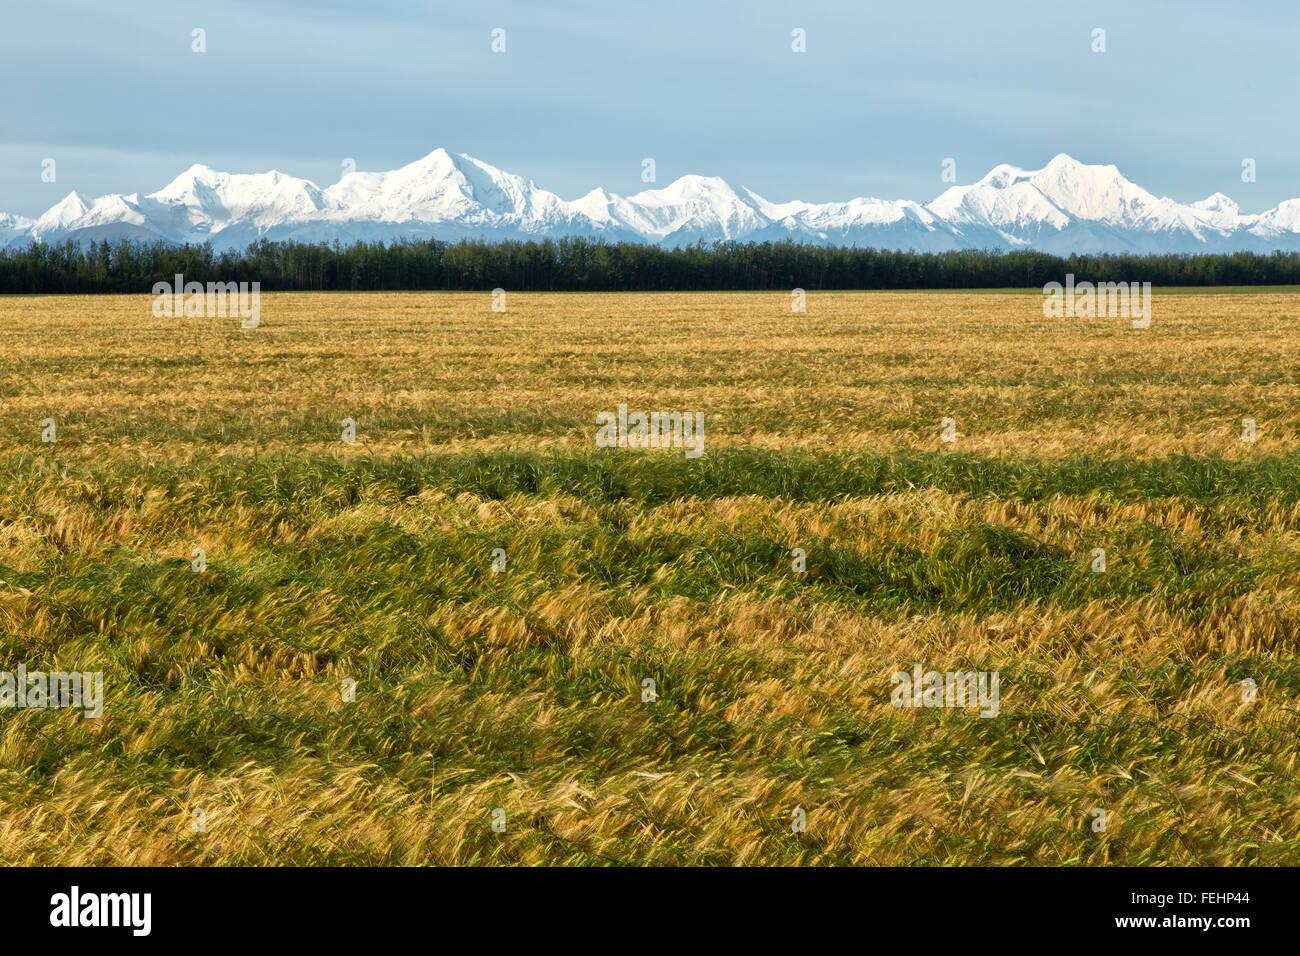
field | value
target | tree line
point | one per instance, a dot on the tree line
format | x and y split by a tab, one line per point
586	265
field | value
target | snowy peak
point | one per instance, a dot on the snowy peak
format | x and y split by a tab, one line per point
62	214
1065	206
690	208
1002	176
439	187
1098	193
108	210
1070	206
597	205
190	183
1217	202
688	188
1279	222
1221	213
202	194
1063	191
1008	202
14	229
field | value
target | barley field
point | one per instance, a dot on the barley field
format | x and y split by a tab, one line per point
1162	691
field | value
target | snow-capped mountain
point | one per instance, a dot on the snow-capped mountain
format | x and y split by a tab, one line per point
15	229
1064	207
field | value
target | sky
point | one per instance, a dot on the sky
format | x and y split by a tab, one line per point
585	91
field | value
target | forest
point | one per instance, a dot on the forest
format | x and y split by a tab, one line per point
585	265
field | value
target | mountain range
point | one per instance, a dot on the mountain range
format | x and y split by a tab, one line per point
1065	207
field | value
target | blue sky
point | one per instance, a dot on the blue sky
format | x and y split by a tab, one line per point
586	90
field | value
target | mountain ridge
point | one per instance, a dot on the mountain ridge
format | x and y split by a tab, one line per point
1064	207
